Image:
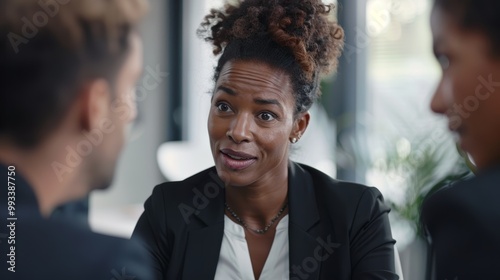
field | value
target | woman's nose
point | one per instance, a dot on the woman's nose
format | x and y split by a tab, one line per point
438	104
241	128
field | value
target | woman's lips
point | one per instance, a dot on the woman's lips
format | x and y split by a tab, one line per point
236	160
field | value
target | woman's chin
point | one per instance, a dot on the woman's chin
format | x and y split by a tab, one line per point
232	178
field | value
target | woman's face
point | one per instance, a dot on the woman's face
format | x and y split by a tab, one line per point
469	90
251	121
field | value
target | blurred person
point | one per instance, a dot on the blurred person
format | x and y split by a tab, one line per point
256	214
463	220
67	74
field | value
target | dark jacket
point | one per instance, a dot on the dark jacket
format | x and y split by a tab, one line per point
33	247
463	222
337	230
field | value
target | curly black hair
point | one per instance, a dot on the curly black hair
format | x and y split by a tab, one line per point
480	15
293	35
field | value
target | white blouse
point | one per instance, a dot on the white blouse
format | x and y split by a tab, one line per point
234	259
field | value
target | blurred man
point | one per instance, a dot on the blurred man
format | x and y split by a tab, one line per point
67	74
464	220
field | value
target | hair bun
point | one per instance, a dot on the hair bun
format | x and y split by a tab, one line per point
303	27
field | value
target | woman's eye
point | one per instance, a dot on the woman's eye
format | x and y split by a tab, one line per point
223	107
444	61
267	117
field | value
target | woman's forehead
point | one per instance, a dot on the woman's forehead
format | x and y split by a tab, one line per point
255	69
254	75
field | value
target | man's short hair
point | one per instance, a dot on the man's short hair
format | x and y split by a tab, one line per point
48	50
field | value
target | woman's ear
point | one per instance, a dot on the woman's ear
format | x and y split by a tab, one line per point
300	126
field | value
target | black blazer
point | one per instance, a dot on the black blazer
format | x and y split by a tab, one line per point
59	248
337	230
463	222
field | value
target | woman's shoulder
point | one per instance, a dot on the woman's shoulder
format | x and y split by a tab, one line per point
358	203
337	188
470	197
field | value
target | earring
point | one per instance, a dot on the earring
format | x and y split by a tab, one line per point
293	140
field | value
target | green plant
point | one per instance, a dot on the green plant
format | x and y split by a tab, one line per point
424	168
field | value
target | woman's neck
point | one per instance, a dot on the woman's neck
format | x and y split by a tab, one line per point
258	203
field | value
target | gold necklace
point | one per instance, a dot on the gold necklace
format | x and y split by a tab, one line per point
259	231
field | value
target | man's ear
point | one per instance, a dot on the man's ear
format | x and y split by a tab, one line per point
95	104
300	125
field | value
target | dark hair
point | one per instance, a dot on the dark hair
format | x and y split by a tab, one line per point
481	15
294	36
48	49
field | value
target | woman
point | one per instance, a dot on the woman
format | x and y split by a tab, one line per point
257	215
464	220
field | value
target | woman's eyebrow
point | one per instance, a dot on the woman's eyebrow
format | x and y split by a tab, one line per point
268	102
260	101
227	90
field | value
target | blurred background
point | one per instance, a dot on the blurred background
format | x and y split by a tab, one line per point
373	124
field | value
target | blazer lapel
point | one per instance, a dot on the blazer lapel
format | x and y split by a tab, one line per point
204	242
303	228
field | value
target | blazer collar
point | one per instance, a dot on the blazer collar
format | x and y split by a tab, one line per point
301	197
204	243
303	226
212	191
